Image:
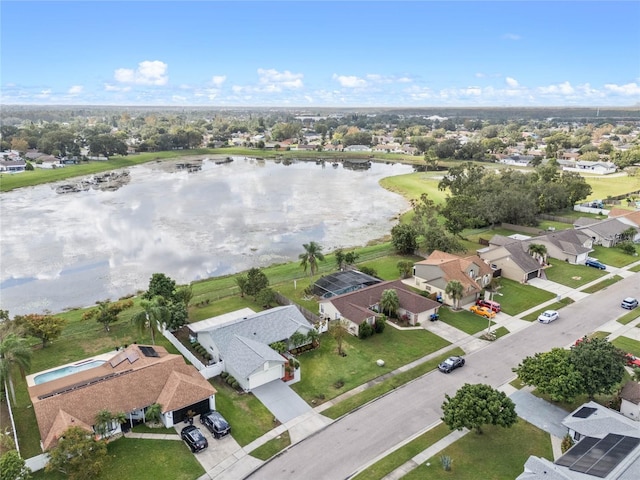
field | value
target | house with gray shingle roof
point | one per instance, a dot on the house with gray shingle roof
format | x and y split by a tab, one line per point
607	447
630	396
363	305
242	342
571	246
511	256
607	233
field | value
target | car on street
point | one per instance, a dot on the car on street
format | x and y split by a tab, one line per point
194	438
450	364
629	303
592	262
215	423
548	316
632	360
482	311
490	304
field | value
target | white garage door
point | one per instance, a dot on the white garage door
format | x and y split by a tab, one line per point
271	373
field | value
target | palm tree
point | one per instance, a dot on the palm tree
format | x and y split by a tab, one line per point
153	413
312	254
154	316
454	289
538	252
14	351
389	301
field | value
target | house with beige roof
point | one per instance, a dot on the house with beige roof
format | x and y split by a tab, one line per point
511	257
128	381
433	274
363	305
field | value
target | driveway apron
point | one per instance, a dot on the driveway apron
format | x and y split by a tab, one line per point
540	413
281	400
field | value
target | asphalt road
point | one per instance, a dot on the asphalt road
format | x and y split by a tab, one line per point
345	445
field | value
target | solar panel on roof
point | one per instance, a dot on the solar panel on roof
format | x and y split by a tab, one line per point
132	356
148	351
613	457
584	412
117	360
596	452
577	451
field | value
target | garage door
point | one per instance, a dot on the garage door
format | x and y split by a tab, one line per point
198	408
266	376
531	275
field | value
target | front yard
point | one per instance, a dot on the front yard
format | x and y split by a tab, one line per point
573	276
517	298
325	374
464	320
614	256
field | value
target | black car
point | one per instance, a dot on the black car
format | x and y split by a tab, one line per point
194	438
215	423
451	364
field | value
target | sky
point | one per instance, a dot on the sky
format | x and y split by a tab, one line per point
320	53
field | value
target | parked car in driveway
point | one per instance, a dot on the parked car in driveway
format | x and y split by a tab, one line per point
194	438
548	316
629	303
215	423
482	311
490	304
592	262
450	364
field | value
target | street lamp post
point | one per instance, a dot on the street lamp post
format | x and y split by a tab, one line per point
489	326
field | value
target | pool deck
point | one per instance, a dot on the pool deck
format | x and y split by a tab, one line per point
105	357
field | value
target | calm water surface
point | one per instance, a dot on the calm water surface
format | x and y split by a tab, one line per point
61	251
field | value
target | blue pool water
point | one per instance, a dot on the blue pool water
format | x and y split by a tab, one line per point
64	371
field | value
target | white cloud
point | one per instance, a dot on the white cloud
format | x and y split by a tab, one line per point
46	93
148	73
178	99
115	88
564	88
275	80
480	75
512	82
511	36
308	98
350	81
76	90
218	80
626	89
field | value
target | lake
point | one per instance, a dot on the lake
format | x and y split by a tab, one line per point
69	250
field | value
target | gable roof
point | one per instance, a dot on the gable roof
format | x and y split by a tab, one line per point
632	216
135	382
273	325
522	258
609	228
631	392
568	241
454	268
247	355
354	306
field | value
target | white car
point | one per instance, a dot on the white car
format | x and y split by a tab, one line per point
548	316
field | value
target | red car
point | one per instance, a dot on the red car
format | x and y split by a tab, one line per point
490	304
633	361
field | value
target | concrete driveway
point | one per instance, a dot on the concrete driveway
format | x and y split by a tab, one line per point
281	400
542	414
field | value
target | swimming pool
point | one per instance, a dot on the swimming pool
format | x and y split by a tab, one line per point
64	371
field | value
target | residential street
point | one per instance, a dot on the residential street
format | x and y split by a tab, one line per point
342	447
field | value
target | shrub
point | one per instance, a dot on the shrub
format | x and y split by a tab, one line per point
338	384
224	374
365	330
446	462
380	324
369	271
567	443
235	384
627	247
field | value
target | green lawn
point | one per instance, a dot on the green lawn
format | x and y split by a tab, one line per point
141	459
614	256
573	276
386	385
635	269
532	317
464	320
629	316
392	461
248	417
545	224
498	453
517	297
603	284
326	375
412	185
273	446
604	186
627	344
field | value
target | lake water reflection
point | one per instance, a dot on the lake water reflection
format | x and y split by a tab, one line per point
60	251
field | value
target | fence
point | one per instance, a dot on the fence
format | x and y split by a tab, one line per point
311	317
546	216
206	371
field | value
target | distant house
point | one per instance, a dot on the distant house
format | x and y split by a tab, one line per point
607	447
433	274
517	160
12	166
607	233
241	340
363	305
512	258
357	148
49	161
126	382
630	217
